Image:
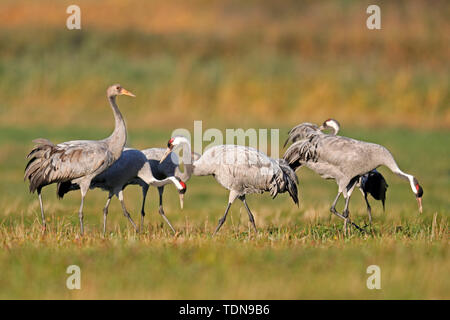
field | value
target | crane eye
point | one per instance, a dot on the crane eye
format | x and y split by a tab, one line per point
118	88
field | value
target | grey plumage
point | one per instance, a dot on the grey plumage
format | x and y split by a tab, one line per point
168	168
242	170
132	167
76	161
371	182
342	159
301	131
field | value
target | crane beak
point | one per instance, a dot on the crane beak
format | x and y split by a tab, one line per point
127	93
419	202
166	154
181	200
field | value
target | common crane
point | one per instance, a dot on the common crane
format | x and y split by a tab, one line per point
241	170
77	161
372	182
131	168
342	159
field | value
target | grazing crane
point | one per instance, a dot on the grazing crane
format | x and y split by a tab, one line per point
131	168
342	159
242	170
76	161
169	167
371	182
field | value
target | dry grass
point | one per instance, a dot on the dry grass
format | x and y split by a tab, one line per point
261	64
298	253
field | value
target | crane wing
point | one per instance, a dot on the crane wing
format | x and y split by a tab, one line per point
49	163
301	131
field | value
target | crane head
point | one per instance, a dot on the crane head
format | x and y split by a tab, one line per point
168	150
118	90
419	194
173	143
330	124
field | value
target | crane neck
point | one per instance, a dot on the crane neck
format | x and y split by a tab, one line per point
116	141
389	162
334	131
183	175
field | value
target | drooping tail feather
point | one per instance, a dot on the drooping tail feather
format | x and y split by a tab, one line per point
38	167
300	152
301	131
285	180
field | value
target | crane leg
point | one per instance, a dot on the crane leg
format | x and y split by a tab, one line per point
125	212
222	220
44	225
161	209
144	196
333	206
250	215
80	215
105	213
343	217
232	196
345	213
84	187
369	210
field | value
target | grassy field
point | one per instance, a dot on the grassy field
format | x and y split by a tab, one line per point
297	253
232	64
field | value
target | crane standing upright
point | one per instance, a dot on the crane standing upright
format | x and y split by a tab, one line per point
77	161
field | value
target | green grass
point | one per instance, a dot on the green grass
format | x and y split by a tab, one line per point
260	64
298	253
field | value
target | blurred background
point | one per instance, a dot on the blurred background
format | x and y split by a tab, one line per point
235	63
232	64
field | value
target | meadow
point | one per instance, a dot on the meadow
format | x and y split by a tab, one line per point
262	64
298	253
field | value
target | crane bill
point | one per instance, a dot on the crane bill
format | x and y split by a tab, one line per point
126	92
419	202
181	200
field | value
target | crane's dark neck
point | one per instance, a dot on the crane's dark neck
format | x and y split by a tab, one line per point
116	141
